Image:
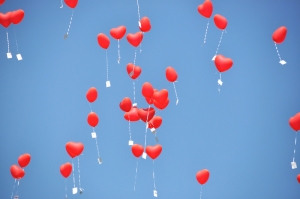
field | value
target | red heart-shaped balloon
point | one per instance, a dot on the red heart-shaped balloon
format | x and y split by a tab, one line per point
5	19
146	114
145	24
161	106
126	104
92	94
206	9
118	32
298	178
161	96
171	74
92	119
135	39
132	115
147	90
137	150
103	40
155	122
279	34
202	176
65	169
295	122
149	100
17	16
222	63
71	3
133	70
74	149
220	21
154	151
17	172
24	160
1	2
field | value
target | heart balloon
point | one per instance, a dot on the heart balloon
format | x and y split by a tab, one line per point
17	172
146	114
126	104
1	2
279	34
155	122
118	32
92	94
133	70
71	3
16	16
295	122
149	100
24	160
103	40
202	176
92	119
5	19
65	169
135	39
137	150
298	178
154	151
206	9
220	21
74	149
132	115
171	74
161	106
145	24
222	63
161	96
147	90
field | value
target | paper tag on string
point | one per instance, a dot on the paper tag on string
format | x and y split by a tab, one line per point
74	190
107	84
134	105
282	62
294	165
19	57
94	135
153	130
130	143
213	59
99	160
220	82
9	56
154	193
144	155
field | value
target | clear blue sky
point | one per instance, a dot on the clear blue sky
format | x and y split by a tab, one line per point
240	135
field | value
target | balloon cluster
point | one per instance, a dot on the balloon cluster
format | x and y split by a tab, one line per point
16	171
14	17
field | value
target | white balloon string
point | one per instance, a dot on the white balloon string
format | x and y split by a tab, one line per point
136	170
277	51
134	58
133	91
90	106
219	42
13	189
146	127
69	24
106	65
219	89
61	4
73	173
119	54
79	174
201	192
98	153
16	40
177	100
66	188
137	2
129	129
154	177
7	41
206	32
295	147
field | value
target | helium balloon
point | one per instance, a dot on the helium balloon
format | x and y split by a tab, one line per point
92	94
103	40
147	90
17	16
161	96
92	119
132	115
154	151
155	122
220	21
65	169
118	32
137	150
71	3
146	114
149	100
145	24
161	106
298	178
206	9
279	34
126	104
202	176
17	172
133	71
1	2
171	74
74	149
5	19
295	122
135	39
222	63
24	160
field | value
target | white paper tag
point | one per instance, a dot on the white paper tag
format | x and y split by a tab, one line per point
19	57
144	155
130	143
99	160
154	193
282	62
107	84
134	105
140	25
213	59
153	130
74	190
94	135
9	56
294	165
220	82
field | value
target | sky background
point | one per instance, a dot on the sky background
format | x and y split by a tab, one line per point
241	135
